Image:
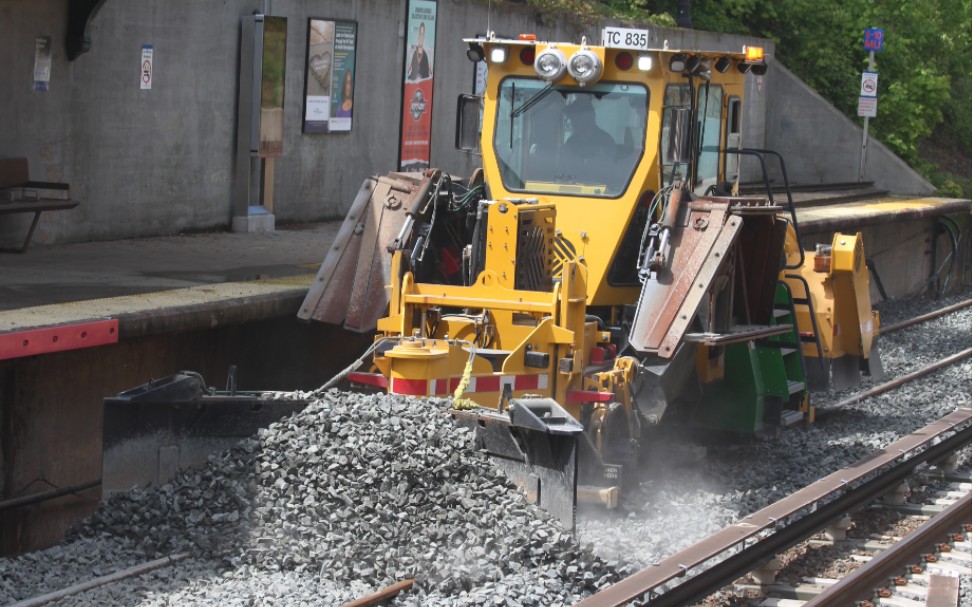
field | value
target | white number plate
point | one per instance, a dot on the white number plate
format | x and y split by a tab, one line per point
622	37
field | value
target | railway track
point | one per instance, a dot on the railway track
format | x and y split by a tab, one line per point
689	575
746	546
922	568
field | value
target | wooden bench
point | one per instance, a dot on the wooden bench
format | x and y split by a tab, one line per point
18	194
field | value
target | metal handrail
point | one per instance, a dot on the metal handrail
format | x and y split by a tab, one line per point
760	154
810	311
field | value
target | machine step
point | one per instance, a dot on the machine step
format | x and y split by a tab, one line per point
739	333
796	386
788	418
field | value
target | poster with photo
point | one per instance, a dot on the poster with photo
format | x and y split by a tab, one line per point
329	82
416	132
342	77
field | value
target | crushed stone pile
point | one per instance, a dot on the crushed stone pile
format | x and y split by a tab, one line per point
356	489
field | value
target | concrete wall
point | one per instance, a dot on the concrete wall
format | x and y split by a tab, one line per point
821	145
161	161
905	256
51	405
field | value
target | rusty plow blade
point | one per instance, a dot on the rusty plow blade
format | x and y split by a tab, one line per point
703	236
536	447
350	286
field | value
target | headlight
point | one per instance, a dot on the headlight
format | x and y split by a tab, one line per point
584	66
497	54
550	64
677	63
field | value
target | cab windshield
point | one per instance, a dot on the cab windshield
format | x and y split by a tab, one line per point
569	140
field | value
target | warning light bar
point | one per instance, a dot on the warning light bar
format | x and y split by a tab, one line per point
754	53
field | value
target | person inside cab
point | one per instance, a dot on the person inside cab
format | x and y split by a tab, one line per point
587	143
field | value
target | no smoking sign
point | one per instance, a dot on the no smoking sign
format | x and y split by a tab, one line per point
869	84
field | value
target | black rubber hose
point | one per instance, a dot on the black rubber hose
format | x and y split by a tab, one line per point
877	278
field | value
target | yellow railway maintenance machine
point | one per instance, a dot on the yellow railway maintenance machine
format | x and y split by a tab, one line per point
596	278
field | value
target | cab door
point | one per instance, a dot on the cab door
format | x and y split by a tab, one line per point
733	135
709	132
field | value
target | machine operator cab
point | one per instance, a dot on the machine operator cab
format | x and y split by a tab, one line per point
578	119
597	131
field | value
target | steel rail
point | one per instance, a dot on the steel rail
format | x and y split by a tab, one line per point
860	584
894	383
379	597
43	599
893	465
48	495
925	317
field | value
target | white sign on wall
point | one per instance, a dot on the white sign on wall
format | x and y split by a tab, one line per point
867	107
145	77
869	81
42	63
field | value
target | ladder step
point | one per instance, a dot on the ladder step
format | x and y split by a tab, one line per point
796	386
788	418
784	347
781	312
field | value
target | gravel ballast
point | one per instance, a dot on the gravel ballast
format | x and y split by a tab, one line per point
358	492
354	493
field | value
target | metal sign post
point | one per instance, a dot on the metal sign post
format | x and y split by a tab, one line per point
867	101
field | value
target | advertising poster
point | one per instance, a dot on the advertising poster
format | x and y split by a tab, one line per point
416	139
329	82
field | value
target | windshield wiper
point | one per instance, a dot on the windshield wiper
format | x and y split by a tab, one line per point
532	101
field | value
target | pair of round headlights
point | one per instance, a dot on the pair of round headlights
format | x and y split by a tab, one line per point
584	66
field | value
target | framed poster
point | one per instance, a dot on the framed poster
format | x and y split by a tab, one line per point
329	81
418	71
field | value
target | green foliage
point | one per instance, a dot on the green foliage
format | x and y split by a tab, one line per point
588	11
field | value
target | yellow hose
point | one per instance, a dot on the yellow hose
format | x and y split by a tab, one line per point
458	402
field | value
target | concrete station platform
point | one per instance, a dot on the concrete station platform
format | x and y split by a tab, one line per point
75	282
174	283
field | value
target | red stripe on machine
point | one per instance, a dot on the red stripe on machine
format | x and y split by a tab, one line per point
369	379
439	387
589	396
445	386
486	384
526	382
409	387
58	339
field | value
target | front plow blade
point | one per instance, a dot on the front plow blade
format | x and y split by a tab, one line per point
350	286
536	446
154	430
